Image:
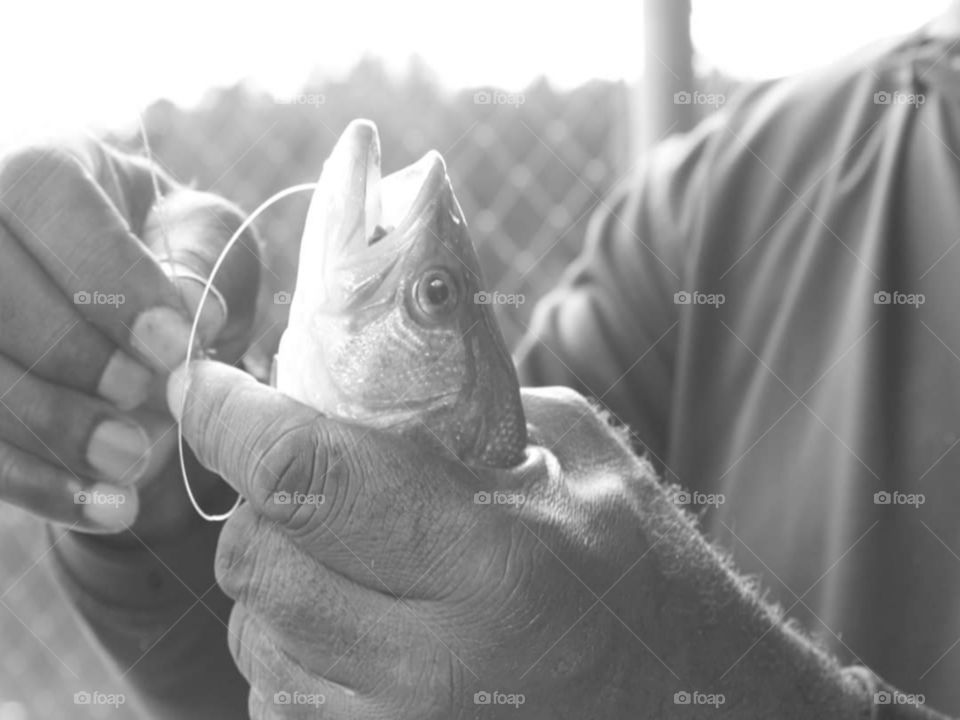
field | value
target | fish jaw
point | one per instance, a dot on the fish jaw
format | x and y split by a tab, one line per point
367	340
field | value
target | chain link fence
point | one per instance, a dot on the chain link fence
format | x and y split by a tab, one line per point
528	169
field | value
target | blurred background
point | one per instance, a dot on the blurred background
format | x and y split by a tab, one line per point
538	117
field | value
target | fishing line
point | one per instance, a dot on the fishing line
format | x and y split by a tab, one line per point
158	204
193	336
168	251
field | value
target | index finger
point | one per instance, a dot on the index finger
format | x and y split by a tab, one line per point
73	229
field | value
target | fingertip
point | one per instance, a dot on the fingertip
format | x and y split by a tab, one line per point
109	507
177	385
191	285
161	336
216	376
124	381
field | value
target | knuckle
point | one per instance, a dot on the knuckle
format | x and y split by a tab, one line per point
570	399
555	406
334	468
303	477
284	466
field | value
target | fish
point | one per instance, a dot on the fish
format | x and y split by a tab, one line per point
390	323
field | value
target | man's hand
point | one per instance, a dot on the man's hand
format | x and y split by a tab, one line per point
378	580
98	285
374	579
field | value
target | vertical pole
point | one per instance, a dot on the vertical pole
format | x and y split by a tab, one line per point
668	72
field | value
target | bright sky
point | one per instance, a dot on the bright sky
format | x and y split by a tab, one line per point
65	63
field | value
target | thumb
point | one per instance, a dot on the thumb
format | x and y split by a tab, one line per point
187	230
239	428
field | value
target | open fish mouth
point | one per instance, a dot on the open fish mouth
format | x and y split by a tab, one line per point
356	213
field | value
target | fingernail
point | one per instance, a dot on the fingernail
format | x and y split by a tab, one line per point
124	382
213	318
109	506
119	450
161	335
176	386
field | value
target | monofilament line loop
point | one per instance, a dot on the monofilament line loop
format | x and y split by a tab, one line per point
193	335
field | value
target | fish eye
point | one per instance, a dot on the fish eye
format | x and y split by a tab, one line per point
436	293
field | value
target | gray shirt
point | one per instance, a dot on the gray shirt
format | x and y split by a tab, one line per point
774	309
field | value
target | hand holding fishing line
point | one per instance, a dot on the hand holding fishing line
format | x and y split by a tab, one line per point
97	286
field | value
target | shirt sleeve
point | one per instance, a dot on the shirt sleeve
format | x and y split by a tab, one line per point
159	616
610	329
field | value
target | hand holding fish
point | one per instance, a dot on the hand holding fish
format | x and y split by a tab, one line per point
384	580
376	579
98	283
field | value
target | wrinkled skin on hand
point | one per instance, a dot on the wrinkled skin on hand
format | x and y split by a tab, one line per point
375	580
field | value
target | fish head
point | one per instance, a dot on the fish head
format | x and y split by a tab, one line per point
390	324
